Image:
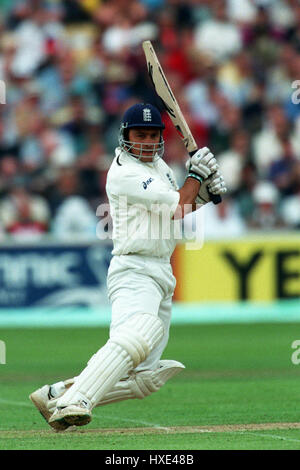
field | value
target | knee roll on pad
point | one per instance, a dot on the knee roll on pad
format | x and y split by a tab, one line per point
138	336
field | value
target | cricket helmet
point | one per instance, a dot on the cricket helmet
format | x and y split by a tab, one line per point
141	115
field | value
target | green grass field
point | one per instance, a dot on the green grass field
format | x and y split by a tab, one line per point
239	390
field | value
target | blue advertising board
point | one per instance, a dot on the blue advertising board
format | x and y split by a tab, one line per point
54	275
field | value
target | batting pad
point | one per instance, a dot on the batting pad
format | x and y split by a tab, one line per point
143	383
137	385
128	346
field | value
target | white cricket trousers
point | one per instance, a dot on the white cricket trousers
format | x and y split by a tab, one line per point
141	284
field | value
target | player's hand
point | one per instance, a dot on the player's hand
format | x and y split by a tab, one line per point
203	196
203	163
215	184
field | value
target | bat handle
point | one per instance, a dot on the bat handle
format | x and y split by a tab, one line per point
215	198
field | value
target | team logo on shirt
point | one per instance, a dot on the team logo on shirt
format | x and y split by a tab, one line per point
147	117
146	183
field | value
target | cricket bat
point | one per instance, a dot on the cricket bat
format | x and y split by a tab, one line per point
164	91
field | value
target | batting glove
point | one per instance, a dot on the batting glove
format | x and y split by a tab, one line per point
201	165
215	185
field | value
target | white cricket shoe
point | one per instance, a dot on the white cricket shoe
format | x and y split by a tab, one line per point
40	398
78	415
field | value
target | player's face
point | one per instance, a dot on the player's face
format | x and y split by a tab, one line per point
144	140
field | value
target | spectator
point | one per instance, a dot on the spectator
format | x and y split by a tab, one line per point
234	160
266	207
223	218
218	36
25	216
241	12
235	79
230	117
9	170
263	38
284	172
203	95
281	75
268	143
74	220
65	184
29	39
7	147
290	208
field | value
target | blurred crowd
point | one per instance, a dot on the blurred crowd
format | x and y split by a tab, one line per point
72	67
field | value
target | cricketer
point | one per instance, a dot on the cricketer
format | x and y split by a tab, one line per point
142	193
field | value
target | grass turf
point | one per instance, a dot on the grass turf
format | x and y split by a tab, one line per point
235	374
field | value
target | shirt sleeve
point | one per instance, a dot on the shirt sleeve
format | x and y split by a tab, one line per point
149	192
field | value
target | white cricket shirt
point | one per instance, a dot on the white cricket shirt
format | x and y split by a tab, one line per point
143	198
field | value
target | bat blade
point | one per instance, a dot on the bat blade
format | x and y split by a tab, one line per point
164	91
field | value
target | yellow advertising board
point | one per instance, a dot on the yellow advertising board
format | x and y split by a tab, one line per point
255	269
